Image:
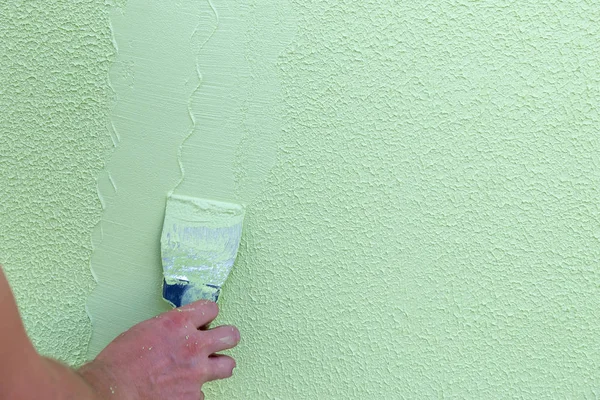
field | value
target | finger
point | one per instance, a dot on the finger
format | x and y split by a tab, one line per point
221	338
221	367
197	314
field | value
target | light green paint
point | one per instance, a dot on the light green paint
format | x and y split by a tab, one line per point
421	180
54	102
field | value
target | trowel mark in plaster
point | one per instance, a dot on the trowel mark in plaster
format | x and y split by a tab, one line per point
105	187
114	134
200	80
112	181
101	198
98	229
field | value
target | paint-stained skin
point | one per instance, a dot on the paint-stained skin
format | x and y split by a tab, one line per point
54	102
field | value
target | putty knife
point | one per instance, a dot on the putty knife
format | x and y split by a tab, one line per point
199	243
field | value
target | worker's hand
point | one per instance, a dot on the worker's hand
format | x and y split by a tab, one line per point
167	357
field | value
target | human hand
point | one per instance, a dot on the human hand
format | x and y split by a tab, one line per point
167	357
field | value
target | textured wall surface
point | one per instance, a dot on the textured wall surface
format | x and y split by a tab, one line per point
429	224
54	101
431	227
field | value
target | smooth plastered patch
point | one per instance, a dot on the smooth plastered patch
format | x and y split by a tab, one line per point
198	117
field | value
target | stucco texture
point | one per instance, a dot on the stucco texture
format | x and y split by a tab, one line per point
425	225
54	102
431	227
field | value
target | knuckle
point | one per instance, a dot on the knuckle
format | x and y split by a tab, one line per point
173	320
210	340
203	371
193	346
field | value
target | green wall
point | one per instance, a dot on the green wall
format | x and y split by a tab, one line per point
421	182
54	102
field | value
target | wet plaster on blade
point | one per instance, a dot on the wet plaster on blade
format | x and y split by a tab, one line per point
54	102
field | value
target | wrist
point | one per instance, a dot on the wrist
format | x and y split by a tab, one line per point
100	379
65	382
